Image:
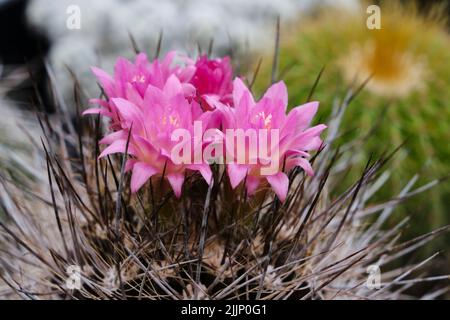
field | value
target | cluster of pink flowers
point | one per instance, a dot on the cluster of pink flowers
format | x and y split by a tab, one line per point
148	101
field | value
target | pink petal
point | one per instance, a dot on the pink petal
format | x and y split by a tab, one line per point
141	60
118	146
187	73
170	56
313	144
130	113
94	111
236	173
143	149
278	92
122	70
152	95
173	86
310	138
300	162
133	95
280	184
110	138
176	181
141	173
314	131
188	89
300	117
306	140
222	113
239	89
130	164
251	184
243	108
106	81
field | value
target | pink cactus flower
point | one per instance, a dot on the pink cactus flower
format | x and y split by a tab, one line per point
213	77
150	102
131	81
295	135
152	123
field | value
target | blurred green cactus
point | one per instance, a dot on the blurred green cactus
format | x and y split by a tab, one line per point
408	63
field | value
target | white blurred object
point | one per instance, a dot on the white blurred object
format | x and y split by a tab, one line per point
106	25
16	148
19	132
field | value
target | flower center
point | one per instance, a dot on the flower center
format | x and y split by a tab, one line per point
138	78
171	119
267	119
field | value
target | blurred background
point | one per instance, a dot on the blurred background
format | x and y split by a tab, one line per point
407	61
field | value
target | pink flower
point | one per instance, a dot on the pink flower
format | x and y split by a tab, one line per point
295	136
152	123
131	81
213	77
151	103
